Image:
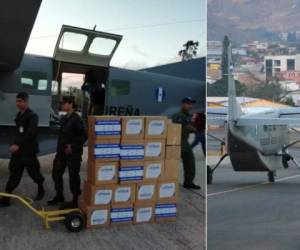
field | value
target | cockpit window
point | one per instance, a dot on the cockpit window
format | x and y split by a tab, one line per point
34	80
102	46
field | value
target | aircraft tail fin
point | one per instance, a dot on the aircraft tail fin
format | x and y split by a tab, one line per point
234	108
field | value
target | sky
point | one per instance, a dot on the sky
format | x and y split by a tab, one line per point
153	31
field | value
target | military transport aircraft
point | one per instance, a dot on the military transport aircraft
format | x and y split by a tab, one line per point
256	140
77	51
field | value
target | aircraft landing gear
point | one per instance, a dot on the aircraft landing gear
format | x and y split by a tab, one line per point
271	176
210	171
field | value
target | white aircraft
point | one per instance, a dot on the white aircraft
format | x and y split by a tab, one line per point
256	139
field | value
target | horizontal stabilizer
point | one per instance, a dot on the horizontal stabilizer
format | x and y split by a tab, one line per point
216	121
267	121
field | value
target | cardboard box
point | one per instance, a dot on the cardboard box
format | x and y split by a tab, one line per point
104	127
145	192
124	194
153	170
103	172
167	191
133	127
96	216
165	212
156	127
121	215
131	171
104	150
174	134
132	149
98	195
155	149
144	213
171	170
173	153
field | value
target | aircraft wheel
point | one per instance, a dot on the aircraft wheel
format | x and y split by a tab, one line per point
75	222
209	175
271	176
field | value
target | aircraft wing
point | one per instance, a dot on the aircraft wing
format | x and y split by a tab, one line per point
289	113
286	116
216	116
16	22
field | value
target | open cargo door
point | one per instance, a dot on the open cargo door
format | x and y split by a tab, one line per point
86	47
16	22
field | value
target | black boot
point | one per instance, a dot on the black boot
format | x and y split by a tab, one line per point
191	186
57	199
70	204
4	202
41	193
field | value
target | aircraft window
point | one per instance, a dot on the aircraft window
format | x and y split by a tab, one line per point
72	41
42	84
265	128
54	88
34	80
102	46
119	87
26	82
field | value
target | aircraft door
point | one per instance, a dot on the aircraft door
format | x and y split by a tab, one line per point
86	47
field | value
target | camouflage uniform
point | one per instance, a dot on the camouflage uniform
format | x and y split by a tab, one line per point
187	153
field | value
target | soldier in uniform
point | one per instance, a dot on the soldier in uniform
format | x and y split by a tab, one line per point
72	136
185	119
96	92
24	150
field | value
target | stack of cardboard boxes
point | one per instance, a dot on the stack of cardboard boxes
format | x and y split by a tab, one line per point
133	170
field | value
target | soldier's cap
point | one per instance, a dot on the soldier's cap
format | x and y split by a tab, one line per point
188	100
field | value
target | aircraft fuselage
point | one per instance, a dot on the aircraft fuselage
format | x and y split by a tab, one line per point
256	148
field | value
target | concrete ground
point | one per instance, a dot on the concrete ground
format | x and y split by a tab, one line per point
245	211
22	230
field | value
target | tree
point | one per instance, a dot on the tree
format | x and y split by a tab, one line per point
270	91
189	51
220	88
289	101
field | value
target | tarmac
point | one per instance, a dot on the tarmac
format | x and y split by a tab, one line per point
20	229
246	212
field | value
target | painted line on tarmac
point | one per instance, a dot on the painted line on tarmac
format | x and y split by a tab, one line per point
252	186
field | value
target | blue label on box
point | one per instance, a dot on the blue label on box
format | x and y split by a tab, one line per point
132	152
166	215
107	127
121	214
165	210
122	219
107	151
131	173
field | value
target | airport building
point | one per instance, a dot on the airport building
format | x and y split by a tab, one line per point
286	67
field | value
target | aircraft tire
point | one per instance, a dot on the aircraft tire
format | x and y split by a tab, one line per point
209	175
271	176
